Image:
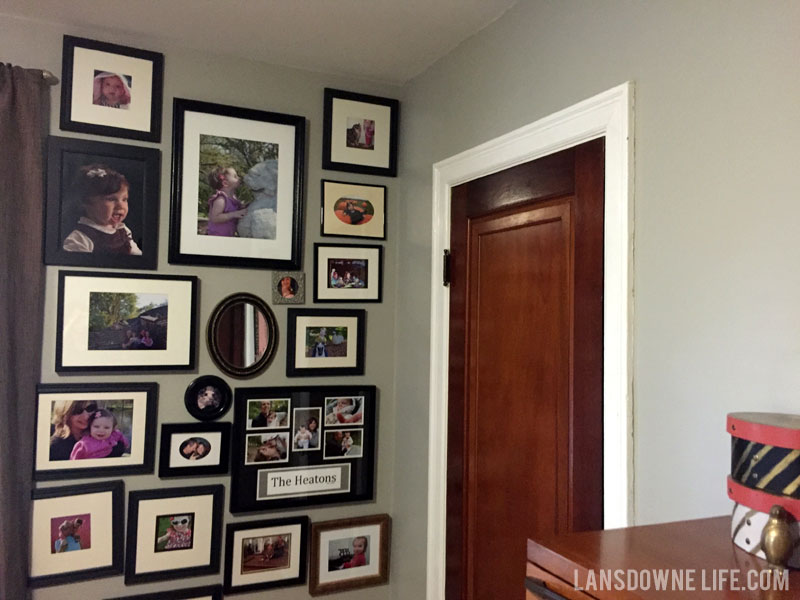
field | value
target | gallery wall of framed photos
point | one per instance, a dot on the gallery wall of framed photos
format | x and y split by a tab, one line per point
125	338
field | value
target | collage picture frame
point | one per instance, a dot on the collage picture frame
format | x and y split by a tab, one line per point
323	341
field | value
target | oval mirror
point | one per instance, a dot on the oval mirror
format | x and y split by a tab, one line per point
242	335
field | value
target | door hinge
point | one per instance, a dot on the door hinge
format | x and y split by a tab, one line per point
446	268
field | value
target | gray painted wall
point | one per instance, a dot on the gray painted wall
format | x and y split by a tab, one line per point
717	286
251	84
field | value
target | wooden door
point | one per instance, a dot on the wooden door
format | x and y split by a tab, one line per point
525	433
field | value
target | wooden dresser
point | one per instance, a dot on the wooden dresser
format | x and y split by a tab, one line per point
701	552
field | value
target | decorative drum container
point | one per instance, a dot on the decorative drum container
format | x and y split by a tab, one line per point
765	472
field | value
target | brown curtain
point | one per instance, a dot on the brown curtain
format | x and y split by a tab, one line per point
23	110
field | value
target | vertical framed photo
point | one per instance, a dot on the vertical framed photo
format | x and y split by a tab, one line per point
288	287
111	90
94	430
208	398
237	186
125	322
102	204
360	133
353	210
348	554
302	446
261	555
173	533
77	533
208	592
348	273
325	342
191	449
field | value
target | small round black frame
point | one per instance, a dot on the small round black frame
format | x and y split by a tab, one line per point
215	410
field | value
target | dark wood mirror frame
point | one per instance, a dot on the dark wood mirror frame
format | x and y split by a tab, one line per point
217	319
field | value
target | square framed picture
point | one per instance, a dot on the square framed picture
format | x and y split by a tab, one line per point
94	430
265	554
348	273
173	533
190	449
353	210
237	186
360	133
347	554
325	342
321	449
102	204
125	322
288	287
112	90
76	533
208	592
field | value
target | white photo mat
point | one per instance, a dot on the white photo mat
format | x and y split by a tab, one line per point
289	572
332	191
178	461
343	110
302	361
370	292
373	532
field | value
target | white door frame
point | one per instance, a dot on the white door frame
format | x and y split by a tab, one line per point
609	115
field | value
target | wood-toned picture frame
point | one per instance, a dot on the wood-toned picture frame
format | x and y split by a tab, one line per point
125	322
111	90
102	204
288	287
322	341
76	533
237	186
173	533
267	554
360	133
194	449
64	444
208	592
295	446
353	210
348	554
348	273
208	398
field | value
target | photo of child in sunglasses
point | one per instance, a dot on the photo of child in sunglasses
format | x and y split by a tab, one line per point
174	532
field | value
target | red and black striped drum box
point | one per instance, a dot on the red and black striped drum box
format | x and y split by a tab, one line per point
765	472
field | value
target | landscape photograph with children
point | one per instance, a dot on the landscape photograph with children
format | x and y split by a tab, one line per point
127	321
266	553
347	273
326	341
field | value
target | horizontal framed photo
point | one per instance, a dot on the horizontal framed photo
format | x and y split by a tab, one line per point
102	204
325	342
348	273
288	287
191	449
173	533
125	322
360	133
237	186
353	210
112	90
208	398
208	592
261	555
77	533
321	449
347	554
94	430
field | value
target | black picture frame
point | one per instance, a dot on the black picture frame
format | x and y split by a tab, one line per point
141	168
81	111
103	504
189	242
346	474
298	528
212	592
142	544
303	361
215	407
74	353
132	396
364	284
217	449
339	153
369	204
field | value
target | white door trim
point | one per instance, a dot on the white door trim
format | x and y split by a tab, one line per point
608	114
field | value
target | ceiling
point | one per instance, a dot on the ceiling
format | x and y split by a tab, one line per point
389	41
